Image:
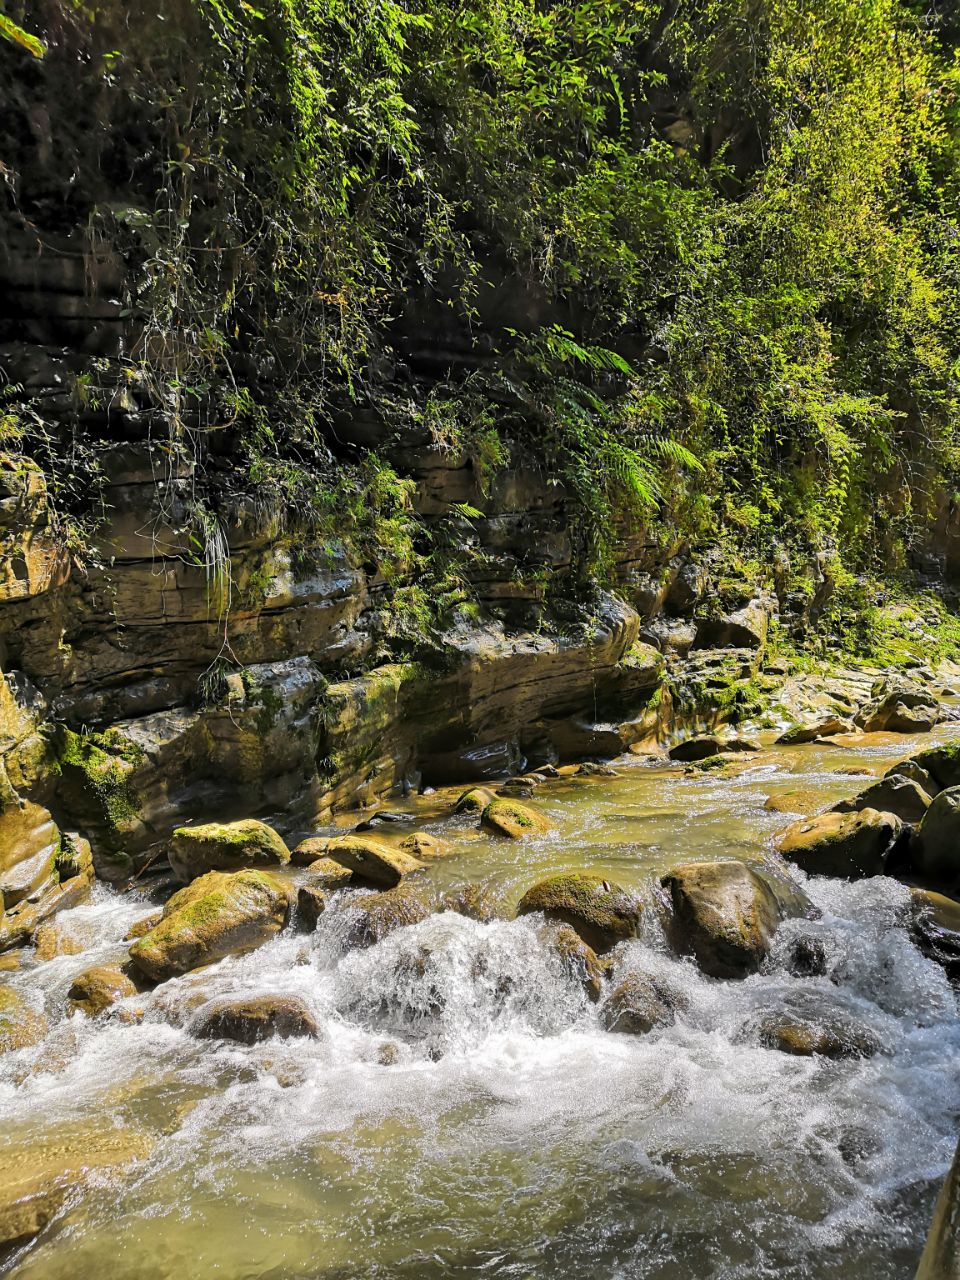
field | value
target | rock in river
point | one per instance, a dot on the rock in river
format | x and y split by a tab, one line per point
248	1021
601	912
576	958
890	794
726	913
215	916
20	1024
638	1004
849	845
513	819
225	846
101	987
834	1036
938	856
373	859
376	915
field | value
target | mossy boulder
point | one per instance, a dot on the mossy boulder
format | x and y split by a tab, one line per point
143	926
311	904
941	763
577	959
219	914
901	710
513	819
376	915
725	914
426	847
328	875
848	845
258	1018
372	859
475	800
308	851
225	846
834	1036
891	794
639	1003
20	1024
99	988
601	912
937	857
476	901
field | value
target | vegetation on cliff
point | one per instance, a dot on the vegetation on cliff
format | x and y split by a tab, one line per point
699	262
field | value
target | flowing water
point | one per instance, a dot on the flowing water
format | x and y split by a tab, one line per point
464	1114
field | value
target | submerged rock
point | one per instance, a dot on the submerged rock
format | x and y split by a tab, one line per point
475	901
891	794
373	859
836	1036
515	820
578	960
638	1004
20	1024
725	914
937	856
601	912
97	989
217	915
376	915
311	904
225	846
258	1018
849	845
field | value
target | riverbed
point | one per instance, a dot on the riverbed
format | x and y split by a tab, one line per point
464	1113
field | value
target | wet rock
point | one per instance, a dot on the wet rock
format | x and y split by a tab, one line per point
937	856
900	710
512	819
848	845
638	1004
804	800
891	794
706	746
601	912
20	1024
100	987
475	800
308	851
836	1036
823	728
143	926
388	1054
36	1177
744	628
75	857
311	904
225	846
577	959
941	1253
806	957
424	846
475	901
18	925
51	940
258	1018
329	876
725	914
912	770
376	915
219	914
941	763
373	859
935	928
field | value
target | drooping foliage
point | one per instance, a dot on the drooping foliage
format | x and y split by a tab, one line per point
698	260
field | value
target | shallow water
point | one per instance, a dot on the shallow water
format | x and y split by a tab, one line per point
512	1136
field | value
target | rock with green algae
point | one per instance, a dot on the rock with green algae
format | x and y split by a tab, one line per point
219	914
328	875
307	851
475	800
372	859
639	1003
225	846
374	916
21	1026
101	987
578	960
425	846
890	794
475	901
37	1176
937	857
834	1036
941	763
725	914
601	912
515	820
257	1018
847	845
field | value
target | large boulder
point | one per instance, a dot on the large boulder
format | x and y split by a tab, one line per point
891	794
308	851
937	855
376	915
225	846
20	1024
257	1018
512	819
601	912
848	845
328	875
833	1036
744	628
638	1004
725	914
375	860
935	928
900	710
475	800
825	727
100	987
217	915
578	960
706	746
941	763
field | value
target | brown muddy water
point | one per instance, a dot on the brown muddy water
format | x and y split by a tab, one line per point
511	1137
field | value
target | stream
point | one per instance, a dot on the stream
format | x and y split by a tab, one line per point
464	1113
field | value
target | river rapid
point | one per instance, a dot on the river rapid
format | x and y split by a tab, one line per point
464	1113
